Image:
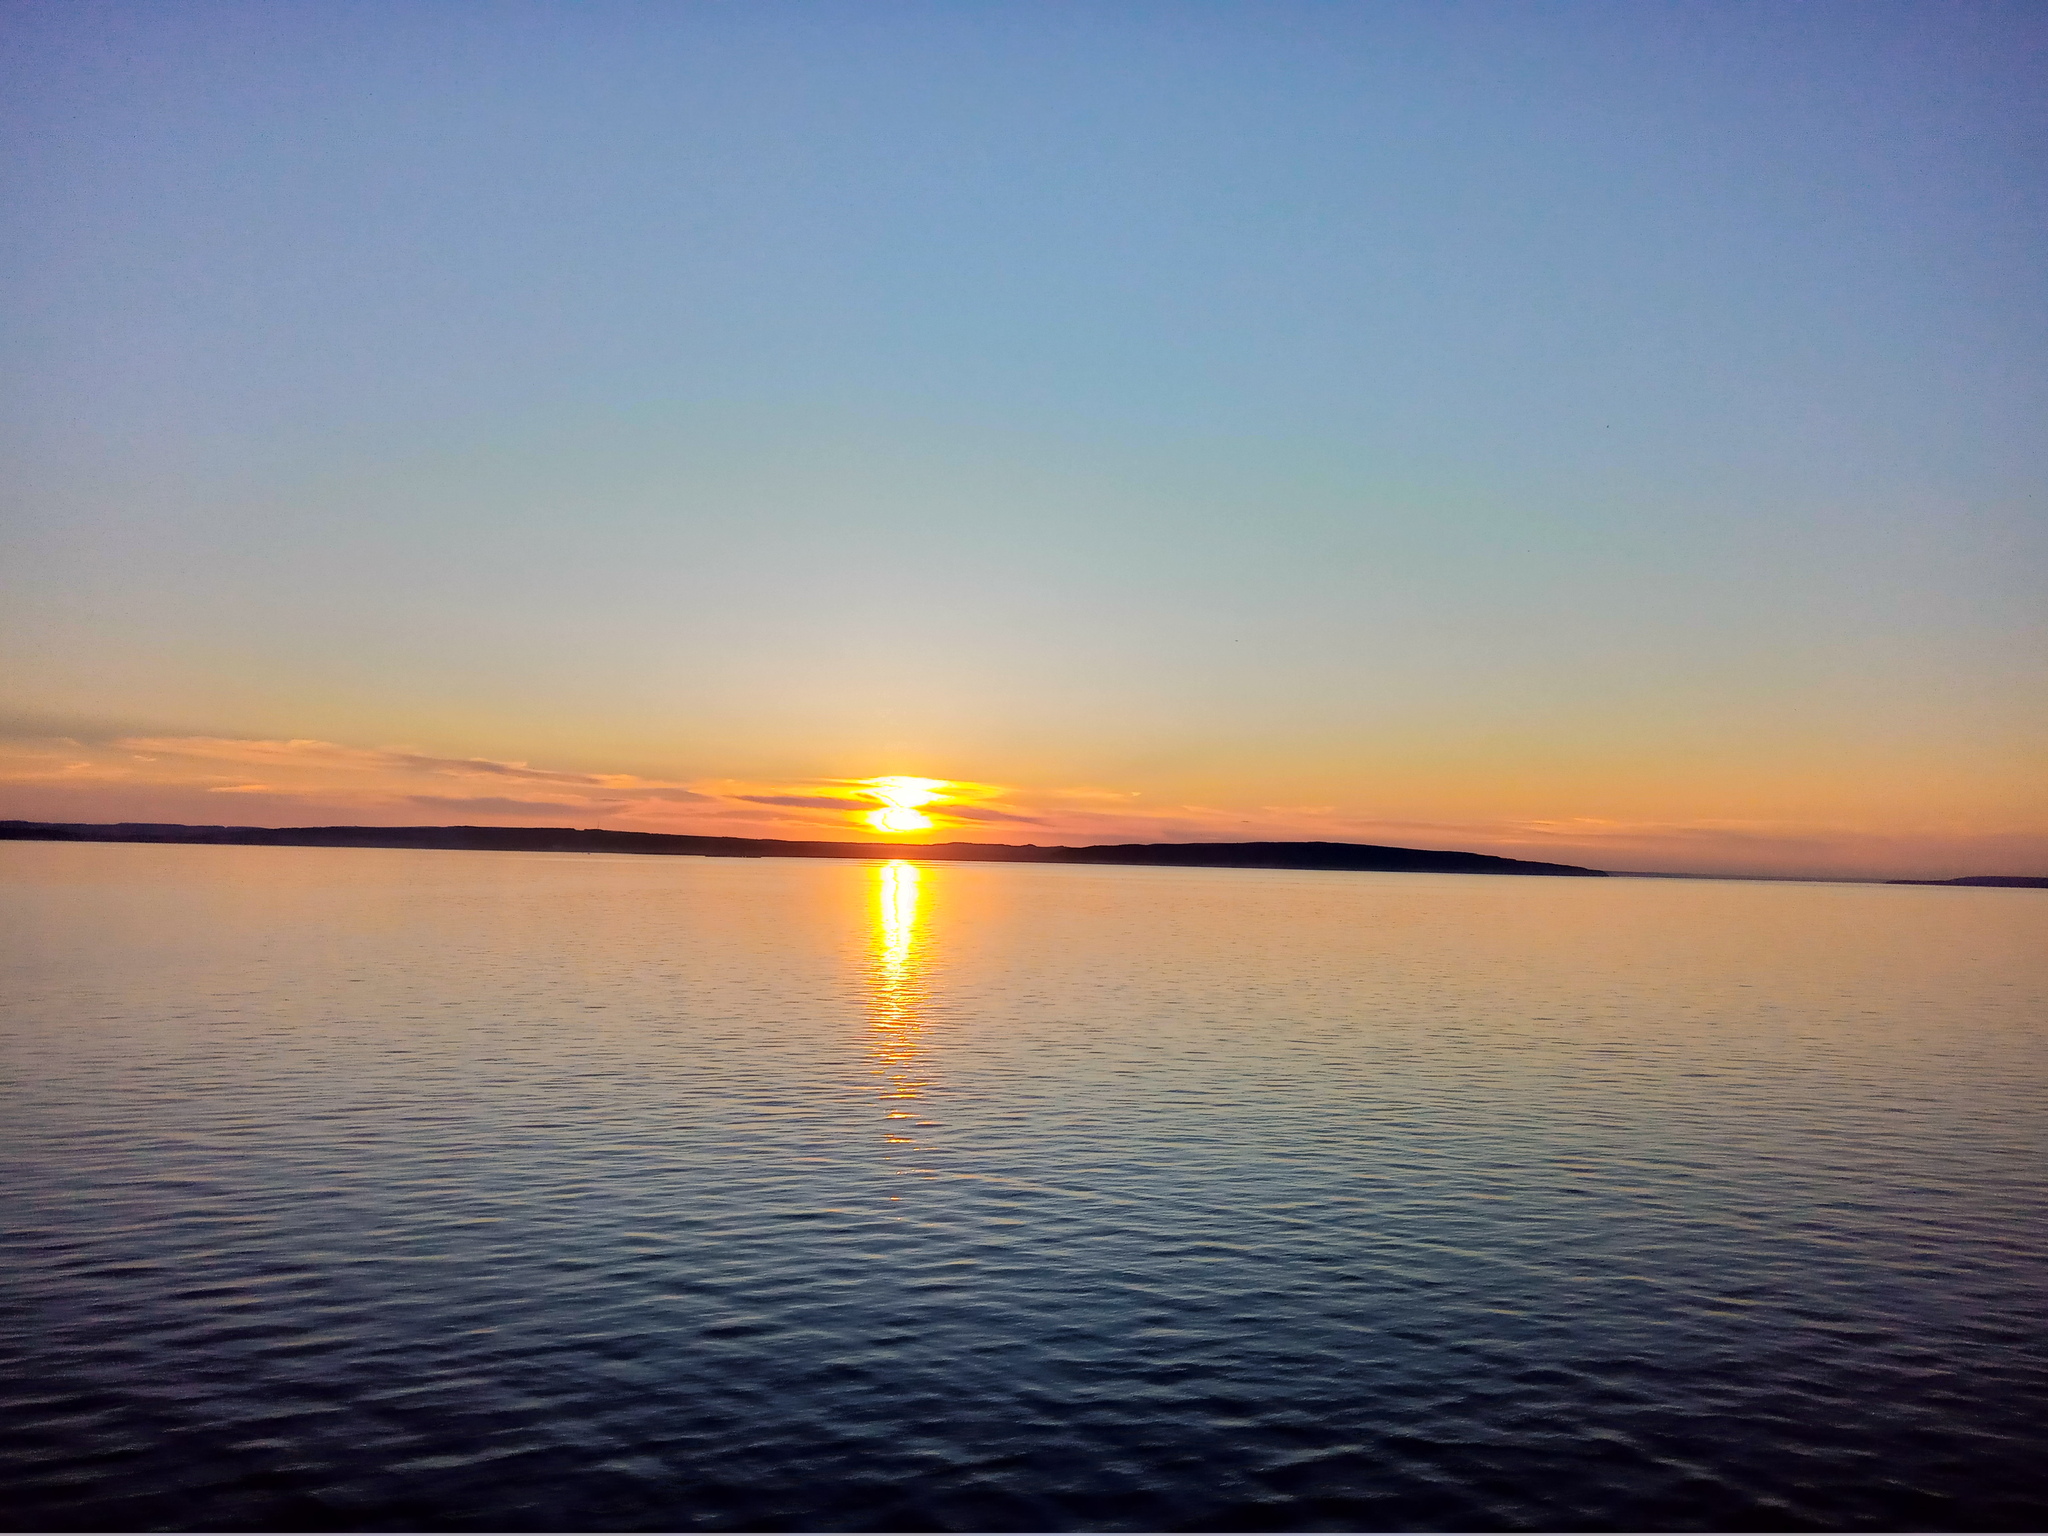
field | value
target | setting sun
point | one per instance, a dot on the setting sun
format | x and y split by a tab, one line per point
894	818
901	796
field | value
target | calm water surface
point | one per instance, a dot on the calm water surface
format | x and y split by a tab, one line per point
397	1190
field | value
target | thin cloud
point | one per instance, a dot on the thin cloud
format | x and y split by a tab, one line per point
80	730
498	805
47	768
983	813
308	753
807	802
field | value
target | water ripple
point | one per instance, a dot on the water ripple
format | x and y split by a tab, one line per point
388	1190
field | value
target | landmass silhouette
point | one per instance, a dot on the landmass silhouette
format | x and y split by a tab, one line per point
2024	882
1336	856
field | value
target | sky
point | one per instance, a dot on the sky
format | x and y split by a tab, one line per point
1599	432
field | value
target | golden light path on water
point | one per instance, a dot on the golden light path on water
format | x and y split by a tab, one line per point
896	997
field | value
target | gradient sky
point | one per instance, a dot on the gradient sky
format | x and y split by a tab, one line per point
1611	432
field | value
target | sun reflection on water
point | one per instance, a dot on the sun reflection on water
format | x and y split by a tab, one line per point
897	996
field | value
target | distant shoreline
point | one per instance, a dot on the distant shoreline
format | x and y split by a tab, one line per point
2013	882
1363	857
2019	882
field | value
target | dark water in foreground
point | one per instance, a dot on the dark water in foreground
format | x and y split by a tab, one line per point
393	1190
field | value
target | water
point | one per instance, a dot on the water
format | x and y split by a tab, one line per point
393	1190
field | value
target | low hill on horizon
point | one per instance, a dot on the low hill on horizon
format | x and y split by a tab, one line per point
2021	882
1270	855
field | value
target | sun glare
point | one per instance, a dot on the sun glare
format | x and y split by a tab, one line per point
901	796
898	818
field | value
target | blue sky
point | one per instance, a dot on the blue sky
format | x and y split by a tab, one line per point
1465	416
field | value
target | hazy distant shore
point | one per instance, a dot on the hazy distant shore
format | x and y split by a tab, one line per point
1333	856
2021	882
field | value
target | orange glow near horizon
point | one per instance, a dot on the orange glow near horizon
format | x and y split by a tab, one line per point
1817	822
